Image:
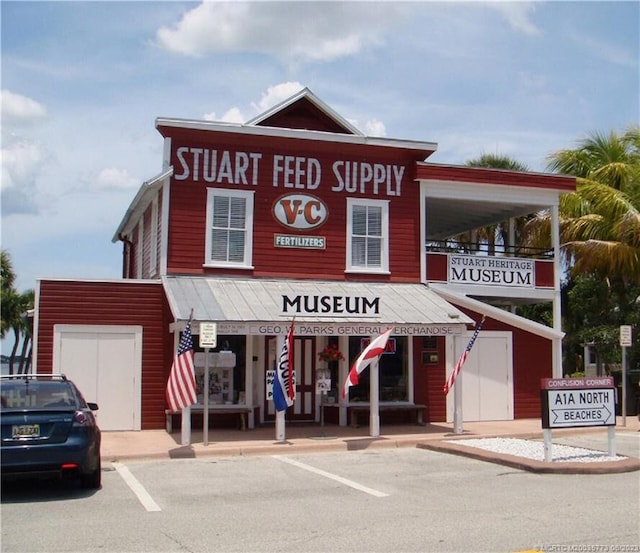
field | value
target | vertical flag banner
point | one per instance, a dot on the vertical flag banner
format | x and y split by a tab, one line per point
456	370
181	387
284	391
371	352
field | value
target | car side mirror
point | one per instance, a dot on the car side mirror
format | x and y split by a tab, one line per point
92	406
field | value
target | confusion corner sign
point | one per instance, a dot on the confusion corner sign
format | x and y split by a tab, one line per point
572	402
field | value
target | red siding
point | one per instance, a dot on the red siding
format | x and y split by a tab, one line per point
544	274
457	173
532	360
437	266
112	303
429	380
303	114
187	217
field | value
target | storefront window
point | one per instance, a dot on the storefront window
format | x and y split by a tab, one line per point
226	371
393	370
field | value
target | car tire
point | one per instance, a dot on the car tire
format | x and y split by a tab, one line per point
92	480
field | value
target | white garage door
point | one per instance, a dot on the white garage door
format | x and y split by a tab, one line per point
106	364
487	378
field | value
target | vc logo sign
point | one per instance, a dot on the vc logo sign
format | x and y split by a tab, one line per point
300	211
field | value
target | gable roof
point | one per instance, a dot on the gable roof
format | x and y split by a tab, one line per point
304	110
302	116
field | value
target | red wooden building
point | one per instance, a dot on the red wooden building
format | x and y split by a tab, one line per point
298	214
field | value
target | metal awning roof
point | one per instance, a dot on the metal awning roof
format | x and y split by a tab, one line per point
232	300
498	314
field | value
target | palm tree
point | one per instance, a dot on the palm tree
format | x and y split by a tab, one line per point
609	159
599	232
495	161
600	222
7	279
14	309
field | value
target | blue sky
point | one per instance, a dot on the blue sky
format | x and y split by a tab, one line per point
83	82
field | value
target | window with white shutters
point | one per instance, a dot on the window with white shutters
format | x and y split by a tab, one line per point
229	228
367	235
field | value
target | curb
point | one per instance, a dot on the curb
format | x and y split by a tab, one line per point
310	445
629	464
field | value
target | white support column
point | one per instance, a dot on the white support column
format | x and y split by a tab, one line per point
374	400
557	306
248	379
185	426
343	370
457	405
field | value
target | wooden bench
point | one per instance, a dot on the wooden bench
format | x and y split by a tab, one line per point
242	411
410	407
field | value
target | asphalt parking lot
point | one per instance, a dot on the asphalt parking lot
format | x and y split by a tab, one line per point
368	500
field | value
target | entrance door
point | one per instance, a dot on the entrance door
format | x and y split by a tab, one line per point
303	408
105	362
487	378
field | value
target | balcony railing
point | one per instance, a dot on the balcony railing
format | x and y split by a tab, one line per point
483	248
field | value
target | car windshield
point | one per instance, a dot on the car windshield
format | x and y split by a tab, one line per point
36	394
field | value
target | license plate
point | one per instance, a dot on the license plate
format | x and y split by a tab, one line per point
26	431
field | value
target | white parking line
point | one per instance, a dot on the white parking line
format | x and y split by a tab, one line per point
137	488
335	477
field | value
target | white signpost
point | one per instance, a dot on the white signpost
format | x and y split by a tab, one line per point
208	338
578	402
626	341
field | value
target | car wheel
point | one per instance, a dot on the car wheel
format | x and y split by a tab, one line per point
92	480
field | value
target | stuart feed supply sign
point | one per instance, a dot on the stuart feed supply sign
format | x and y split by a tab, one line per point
569	402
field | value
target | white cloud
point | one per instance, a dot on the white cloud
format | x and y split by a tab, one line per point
518	15
375	128
293	31
272	97
115	179
276	94
17	107
234	115
22	163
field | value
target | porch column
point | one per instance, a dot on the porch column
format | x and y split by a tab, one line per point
557	306
248	379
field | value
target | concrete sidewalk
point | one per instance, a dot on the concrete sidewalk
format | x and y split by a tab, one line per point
158	444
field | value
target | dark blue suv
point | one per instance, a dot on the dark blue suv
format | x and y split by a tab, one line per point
48	429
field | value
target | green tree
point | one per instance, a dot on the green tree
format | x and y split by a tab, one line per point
600	242
600	222
14	309
595	309
7	280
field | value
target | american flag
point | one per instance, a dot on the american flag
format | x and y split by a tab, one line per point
461	360
181	387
